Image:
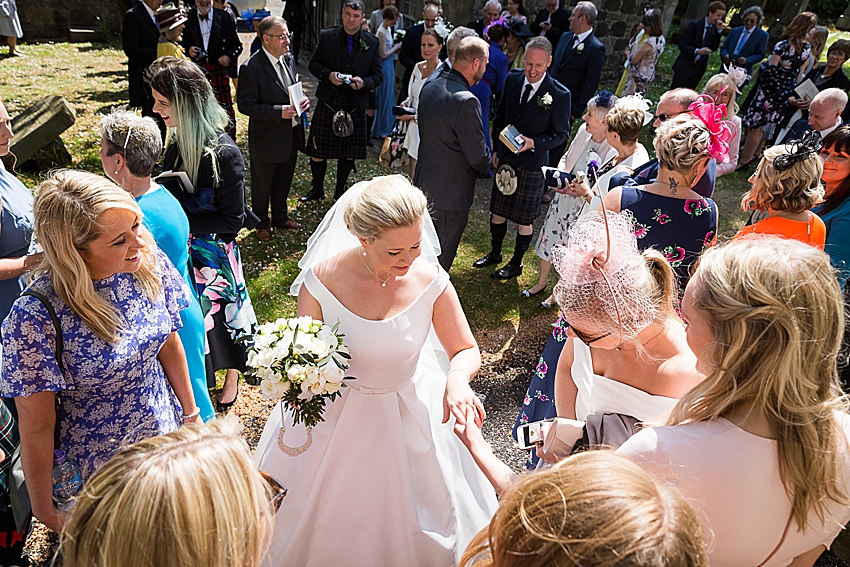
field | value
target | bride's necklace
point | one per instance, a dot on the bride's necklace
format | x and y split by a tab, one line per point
384	281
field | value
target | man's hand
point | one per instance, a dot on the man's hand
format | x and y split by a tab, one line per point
703	51
193	51
527	145
304	105
334	78
546	26
356	83
224	60
287	112
742	61
727	59
495	160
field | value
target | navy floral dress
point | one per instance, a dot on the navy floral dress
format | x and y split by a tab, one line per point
112	394
679	228
768	101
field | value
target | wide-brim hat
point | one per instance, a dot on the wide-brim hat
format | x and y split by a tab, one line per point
519	29
261	15
169	17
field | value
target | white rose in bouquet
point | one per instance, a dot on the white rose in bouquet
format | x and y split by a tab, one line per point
273	390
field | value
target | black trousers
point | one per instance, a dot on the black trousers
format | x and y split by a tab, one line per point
688	78
450	226
272	182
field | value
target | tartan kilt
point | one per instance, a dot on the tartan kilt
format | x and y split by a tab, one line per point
217	76
324	144
525	204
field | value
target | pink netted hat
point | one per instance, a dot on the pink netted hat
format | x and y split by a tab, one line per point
604	279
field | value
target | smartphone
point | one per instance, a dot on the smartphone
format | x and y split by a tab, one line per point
530	434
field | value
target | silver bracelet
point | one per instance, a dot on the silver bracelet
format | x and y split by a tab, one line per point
192	415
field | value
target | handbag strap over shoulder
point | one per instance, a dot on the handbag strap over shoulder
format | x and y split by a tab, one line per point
60	342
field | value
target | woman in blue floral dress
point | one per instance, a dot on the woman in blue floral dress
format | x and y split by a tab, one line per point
122	375
768	100
198	146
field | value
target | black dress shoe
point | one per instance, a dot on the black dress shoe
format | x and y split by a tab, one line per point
488	260
528	293
312	196
507	272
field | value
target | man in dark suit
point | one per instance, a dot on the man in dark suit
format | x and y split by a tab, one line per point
577	64
746	45
411	46
210	40
275	132
139	37
347	63
491	10
701	37
551	22
296	17
452	145
824	115
538	106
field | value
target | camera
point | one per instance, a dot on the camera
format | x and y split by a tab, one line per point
346	79
200	57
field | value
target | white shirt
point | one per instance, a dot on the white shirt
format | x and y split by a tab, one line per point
534	87
151	13
824	133
277	64
581	37
206	27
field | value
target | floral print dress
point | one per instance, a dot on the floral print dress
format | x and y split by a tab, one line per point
679	228
768	100
112	394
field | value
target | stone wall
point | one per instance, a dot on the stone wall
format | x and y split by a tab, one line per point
50	19
614	27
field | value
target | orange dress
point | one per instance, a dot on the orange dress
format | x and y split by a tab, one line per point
811	231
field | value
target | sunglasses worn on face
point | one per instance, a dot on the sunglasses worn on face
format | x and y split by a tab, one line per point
278	489
588	340
666	117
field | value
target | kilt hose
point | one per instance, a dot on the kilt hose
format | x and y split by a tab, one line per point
525	204
324	144
217	76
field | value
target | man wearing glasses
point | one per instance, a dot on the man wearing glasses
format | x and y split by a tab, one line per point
747	44
275	132
671	104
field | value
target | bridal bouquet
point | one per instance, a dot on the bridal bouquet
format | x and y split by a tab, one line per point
300	361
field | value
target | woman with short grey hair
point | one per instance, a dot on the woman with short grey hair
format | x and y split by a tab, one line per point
130	146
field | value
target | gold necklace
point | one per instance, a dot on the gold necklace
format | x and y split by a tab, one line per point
383	282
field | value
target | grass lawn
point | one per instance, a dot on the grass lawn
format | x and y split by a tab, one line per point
93	79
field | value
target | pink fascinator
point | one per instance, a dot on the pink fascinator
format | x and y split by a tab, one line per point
738	74
720	130
603	277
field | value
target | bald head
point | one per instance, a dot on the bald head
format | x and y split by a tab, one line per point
826	108
672	103
471	58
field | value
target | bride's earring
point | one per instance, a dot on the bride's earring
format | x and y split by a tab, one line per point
364	252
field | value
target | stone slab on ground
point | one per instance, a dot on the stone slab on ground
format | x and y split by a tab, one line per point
40	124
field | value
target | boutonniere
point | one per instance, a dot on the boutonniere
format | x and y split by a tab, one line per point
363	46
580	48
545	101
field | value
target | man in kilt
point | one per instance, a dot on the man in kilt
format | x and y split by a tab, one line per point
211	41
538	106
347	63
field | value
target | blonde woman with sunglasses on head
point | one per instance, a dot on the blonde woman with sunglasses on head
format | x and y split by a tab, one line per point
761	445
190	498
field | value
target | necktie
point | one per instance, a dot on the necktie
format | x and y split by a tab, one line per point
203	17
705	35
526	94
287	82
744	35
349	45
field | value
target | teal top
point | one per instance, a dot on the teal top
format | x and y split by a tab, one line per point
165	219
837	223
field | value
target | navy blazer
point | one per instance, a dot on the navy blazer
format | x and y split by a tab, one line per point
548	127
578	71
139	38
262	96
223	38
691	41
754	50
560	23
328	57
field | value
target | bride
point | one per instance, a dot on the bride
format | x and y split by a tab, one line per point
384	481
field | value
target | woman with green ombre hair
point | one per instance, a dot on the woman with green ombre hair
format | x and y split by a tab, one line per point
216	208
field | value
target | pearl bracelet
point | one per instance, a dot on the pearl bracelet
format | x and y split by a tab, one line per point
192	415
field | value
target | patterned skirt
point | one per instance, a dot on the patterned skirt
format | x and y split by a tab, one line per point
324	144
524	205
228	312
539	403
220	81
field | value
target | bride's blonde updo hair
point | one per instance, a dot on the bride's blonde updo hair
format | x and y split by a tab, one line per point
387	202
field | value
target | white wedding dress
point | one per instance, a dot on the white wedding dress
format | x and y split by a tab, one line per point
384	482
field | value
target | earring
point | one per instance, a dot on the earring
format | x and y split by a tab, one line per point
364	252
116	172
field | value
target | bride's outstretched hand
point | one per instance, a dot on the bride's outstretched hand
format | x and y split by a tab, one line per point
459	398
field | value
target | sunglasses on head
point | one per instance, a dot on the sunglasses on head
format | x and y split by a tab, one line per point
277	489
